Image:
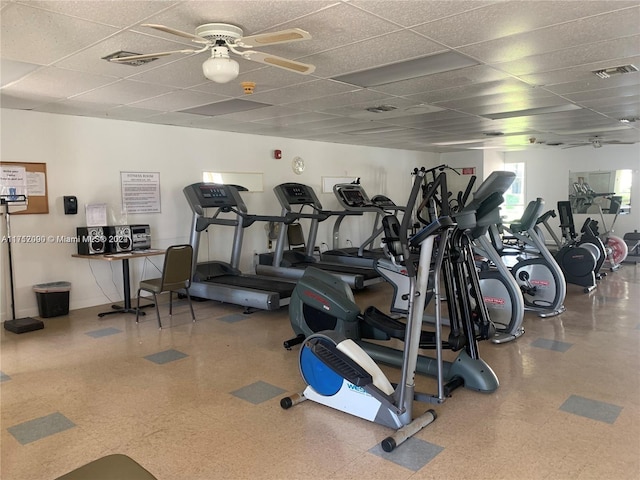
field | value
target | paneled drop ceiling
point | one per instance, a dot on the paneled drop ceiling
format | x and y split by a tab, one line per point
464	75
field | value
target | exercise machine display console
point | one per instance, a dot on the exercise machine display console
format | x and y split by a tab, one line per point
353	198
223	281
290	264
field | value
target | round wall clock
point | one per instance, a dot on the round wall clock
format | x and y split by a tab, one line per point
297	165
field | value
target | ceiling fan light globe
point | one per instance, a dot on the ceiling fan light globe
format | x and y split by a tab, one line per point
220	70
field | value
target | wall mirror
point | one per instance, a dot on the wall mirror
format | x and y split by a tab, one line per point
606	190
251	181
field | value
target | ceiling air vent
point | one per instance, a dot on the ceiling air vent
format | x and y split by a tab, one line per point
381	108
607	72
133	63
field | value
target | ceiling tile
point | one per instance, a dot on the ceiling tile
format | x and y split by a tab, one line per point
253	16
302	91
503	19
178	100
123	92
23	101
72	107
601	52
599	28
582	74
129	12
59	83
297	119
416	12
626	91
91	59
386	49
454	78
34	36
11	71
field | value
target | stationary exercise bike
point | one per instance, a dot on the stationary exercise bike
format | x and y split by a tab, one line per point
340	374
540	278
577	262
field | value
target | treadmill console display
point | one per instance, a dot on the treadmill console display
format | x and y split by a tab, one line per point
212	195
298	194
353	198
383	202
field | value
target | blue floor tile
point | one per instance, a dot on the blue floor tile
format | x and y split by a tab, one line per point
551	345
258	392
4	377
234	317
412	454
38	428
593	409
103	332
165	357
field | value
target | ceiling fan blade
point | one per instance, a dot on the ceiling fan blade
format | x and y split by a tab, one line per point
173	31
280	62
132	58
283	36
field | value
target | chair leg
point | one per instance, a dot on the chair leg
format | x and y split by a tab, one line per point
193	315
155	300
170	304
138	306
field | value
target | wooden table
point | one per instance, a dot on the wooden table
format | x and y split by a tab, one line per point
126	279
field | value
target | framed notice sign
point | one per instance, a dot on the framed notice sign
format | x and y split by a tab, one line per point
26	178
140	192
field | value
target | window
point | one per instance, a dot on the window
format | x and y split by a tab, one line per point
514	203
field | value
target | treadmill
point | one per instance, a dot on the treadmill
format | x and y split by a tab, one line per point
290	264
353	198
222	281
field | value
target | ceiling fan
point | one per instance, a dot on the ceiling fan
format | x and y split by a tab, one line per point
222	38
597	142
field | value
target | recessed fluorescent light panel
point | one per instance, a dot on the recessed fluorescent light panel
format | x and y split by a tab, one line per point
225	107
459	142
418	67
371	131
592	130
533	111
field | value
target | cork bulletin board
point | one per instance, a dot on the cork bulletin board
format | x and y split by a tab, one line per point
31	180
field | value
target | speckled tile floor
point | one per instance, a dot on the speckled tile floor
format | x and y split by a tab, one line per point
200	401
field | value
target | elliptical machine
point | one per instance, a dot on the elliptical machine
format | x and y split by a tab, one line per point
341	375
501	293
321	302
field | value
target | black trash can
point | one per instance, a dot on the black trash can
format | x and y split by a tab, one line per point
53	298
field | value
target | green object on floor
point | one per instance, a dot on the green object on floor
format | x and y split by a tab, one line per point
111	467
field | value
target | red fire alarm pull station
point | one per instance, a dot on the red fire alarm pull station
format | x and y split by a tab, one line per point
277	154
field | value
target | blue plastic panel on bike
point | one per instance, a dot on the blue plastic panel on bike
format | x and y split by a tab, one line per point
320	377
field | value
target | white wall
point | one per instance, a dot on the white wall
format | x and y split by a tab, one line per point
460	160
85	156
547	176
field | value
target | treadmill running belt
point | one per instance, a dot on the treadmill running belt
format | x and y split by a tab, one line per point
367	273
284	289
